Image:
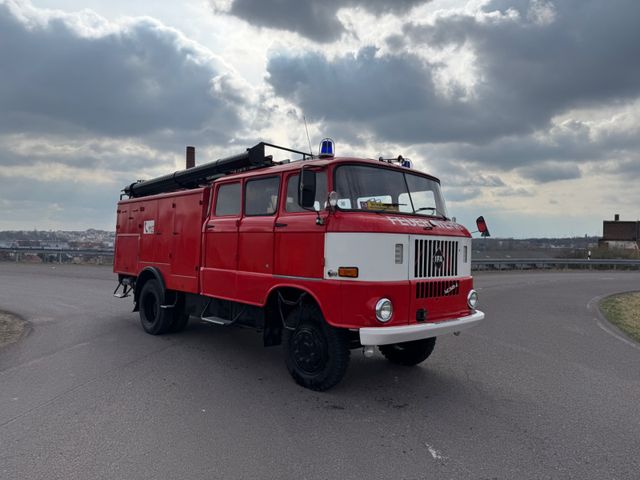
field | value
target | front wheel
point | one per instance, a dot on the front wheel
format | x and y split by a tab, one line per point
316	354
409	353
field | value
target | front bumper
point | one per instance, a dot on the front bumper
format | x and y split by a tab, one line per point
407	333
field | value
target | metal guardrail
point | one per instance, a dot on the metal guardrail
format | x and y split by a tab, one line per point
530	263
56	251
59	255
476	264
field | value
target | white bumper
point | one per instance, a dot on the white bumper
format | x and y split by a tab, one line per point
406	333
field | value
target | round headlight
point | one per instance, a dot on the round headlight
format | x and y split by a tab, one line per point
384	310
472	299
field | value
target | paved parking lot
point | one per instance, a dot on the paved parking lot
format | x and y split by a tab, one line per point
543	389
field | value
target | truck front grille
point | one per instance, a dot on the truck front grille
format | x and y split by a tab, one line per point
442	288
436	258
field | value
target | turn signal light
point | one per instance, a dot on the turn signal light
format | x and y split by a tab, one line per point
351	272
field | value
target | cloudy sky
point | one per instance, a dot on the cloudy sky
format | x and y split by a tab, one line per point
528	110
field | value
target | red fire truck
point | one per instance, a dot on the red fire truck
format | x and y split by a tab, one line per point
322	255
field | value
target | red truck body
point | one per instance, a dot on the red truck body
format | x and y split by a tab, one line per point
203	247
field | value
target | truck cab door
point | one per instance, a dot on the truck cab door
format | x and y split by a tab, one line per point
218	275
299	240
256	243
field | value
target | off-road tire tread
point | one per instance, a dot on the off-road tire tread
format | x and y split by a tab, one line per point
338	345
163	320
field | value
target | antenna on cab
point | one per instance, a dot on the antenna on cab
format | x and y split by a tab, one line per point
308	139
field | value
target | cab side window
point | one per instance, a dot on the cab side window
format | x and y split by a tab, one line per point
228	200
261	196
292	193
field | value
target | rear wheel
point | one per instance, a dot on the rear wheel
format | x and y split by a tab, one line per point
409	353
154	320
316	354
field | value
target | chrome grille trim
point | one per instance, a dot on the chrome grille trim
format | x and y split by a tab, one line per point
435	258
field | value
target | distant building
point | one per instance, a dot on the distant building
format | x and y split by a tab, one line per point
620	235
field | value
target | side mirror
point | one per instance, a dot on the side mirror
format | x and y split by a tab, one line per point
307	189
482	227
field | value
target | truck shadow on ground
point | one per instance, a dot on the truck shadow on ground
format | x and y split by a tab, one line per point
370	385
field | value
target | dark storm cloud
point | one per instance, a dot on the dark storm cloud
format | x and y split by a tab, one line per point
81	97
454	173
556	55
554	155
131	80
530	67
393	95
627	168
462	194
90	155
550	172
558	144
315	20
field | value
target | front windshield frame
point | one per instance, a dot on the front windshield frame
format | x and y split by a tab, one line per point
411	205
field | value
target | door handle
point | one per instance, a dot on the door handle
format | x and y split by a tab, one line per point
280	225
210	226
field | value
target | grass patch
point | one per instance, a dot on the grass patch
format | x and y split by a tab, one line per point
624	312
11	328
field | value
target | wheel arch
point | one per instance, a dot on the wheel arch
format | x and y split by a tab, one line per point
281	300
148	273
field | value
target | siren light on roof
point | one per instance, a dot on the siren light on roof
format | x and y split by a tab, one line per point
326	148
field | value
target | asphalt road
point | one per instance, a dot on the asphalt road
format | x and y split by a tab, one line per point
543	389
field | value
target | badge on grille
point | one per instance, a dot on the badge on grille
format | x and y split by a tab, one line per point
438	259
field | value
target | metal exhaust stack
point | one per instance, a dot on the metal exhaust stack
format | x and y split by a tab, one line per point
191	157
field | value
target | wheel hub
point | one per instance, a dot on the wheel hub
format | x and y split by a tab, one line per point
308	350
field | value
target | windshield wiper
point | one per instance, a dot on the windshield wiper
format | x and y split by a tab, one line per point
434	209
425	208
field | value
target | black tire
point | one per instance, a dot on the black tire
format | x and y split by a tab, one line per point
154	320
409	353
316	354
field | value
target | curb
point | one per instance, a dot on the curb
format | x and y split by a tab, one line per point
604	323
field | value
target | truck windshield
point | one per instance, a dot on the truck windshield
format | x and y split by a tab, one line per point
362	187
